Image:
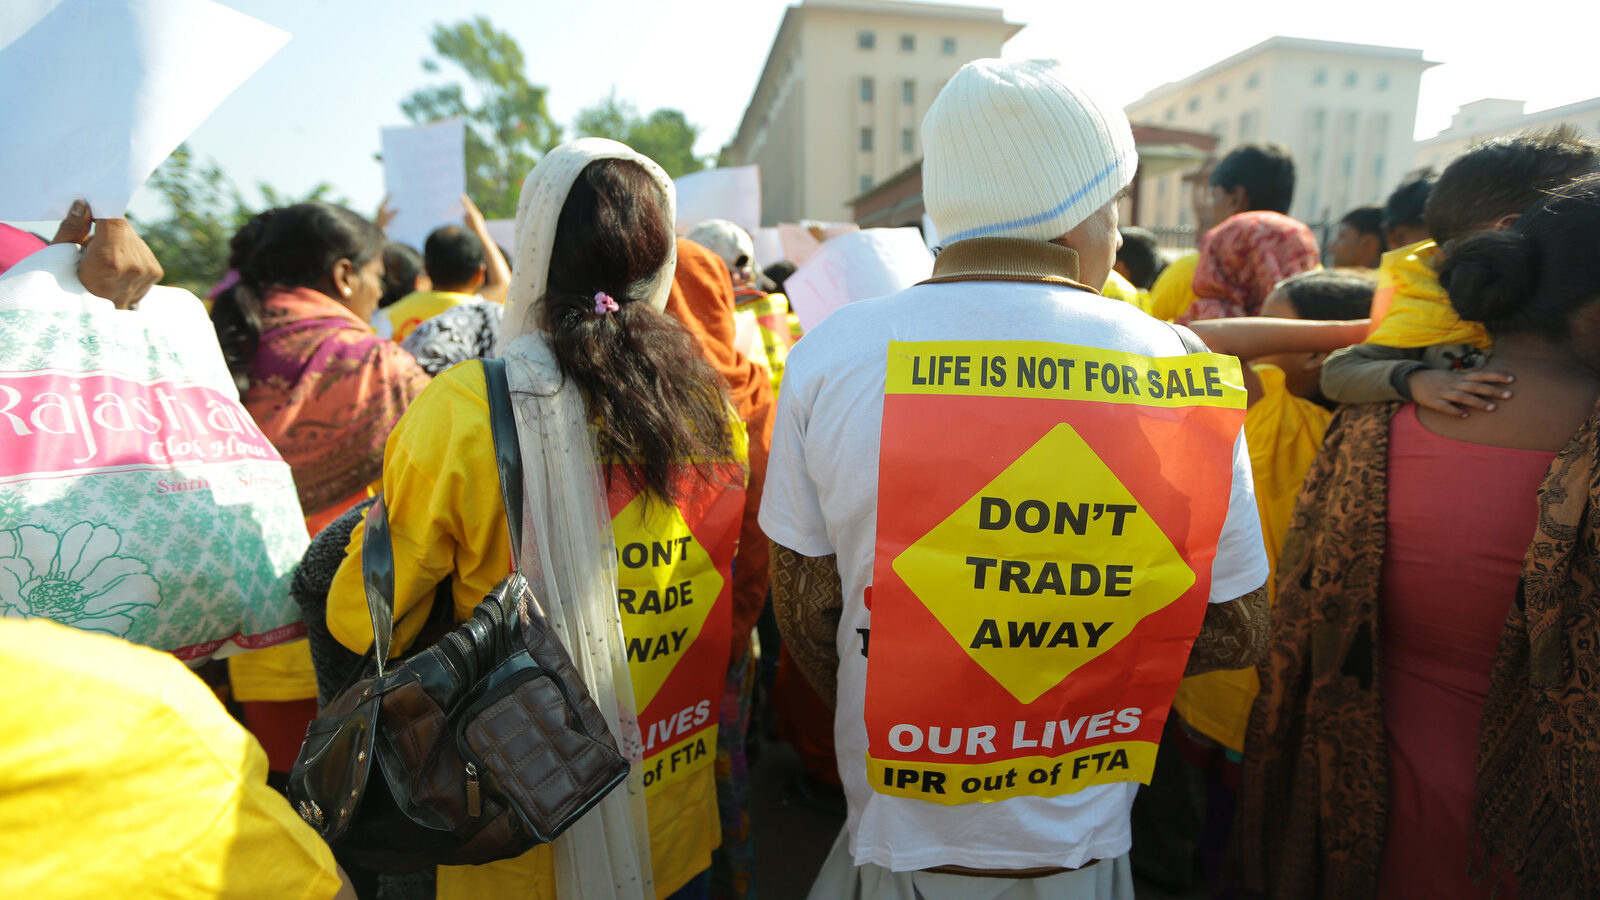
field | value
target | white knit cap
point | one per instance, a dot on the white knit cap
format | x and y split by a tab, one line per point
1010	149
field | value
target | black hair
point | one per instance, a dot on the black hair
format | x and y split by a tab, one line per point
1141	253
1405	203
779	272
1367	220
1344	293
1265	171
655	400
1533	277
1504	176
452	255
401	266
288	247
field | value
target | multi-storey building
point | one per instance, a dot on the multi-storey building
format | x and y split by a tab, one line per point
1483	119
840	102
1346	112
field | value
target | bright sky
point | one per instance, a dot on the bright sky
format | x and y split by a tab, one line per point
313	112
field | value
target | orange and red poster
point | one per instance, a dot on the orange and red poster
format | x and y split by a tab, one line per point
1047	519
674	591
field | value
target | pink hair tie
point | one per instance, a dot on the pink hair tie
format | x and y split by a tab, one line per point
604	304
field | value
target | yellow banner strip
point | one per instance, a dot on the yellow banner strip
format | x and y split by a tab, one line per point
673	764
1042	370
953	784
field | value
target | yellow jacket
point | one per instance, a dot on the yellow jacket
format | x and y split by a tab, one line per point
122	776
1411	310
1173	292
1284	434
448	521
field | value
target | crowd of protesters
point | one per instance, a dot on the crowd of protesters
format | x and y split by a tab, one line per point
1328	631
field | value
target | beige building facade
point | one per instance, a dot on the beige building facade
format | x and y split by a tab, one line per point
1346	112
840	102
1483	119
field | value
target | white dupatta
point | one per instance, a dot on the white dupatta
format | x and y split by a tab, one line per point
568	554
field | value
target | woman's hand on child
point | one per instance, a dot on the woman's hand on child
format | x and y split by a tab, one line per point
1457	393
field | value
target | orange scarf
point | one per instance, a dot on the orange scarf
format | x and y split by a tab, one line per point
702	299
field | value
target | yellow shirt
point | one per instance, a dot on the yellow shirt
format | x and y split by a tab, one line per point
447	520
1119	288
122	776
1284	434
1415	311
1173	292
417	307
280	673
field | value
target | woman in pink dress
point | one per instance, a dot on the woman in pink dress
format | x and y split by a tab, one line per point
1429	721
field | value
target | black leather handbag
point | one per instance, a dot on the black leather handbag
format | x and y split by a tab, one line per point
478	747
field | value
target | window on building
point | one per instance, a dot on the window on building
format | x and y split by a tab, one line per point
866	40
1247	126
1172	113
949	47
1383	81
865	184
1319	76
908	91
1222	92
907	141
1349	163
1194	103
1316	161
1377	167
908	43
1253	81
1220	129
866	139
867	90
1351	77
1318	119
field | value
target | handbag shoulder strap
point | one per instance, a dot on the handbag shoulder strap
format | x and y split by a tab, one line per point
507	450
377	544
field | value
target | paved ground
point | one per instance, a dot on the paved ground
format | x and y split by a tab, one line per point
792	840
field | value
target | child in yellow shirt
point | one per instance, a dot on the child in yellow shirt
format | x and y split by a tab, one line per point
1421	350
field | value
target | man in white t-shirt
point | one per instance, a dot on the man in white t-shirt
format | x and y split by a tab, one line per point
1003	509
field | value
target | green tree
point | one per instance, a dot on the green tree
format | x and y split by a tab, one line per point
204	210
508	129
665	135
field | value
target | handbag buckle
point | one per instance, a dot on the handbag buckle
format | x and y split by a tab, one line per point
311	812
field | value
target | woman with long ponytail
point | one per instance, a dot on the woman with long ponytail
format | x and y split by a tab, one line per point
635	466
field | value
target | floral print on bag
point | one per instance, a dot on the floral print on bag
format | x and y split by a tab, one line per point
75	578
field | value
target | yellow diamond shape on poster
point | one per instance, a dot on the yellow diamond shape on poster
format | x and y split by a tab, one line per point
1046	567
666	586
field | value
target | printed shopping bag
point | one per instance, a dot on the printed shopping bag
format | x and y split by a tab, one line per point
137	496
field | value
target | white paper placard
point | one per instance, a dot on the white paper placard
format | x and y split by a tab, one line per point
425	173
802	239
101	91
769	247
857	266
733	194
504	232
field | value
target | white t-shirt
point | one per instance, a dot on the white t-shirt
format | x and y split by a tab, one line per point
821	498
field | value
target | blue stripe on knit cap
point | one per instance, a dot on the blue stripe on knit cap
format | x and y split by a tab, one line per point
1047	215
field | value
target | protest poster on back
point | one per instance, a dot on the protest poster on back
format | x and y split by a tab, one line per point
1029	630
101	91
857	266
425	173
